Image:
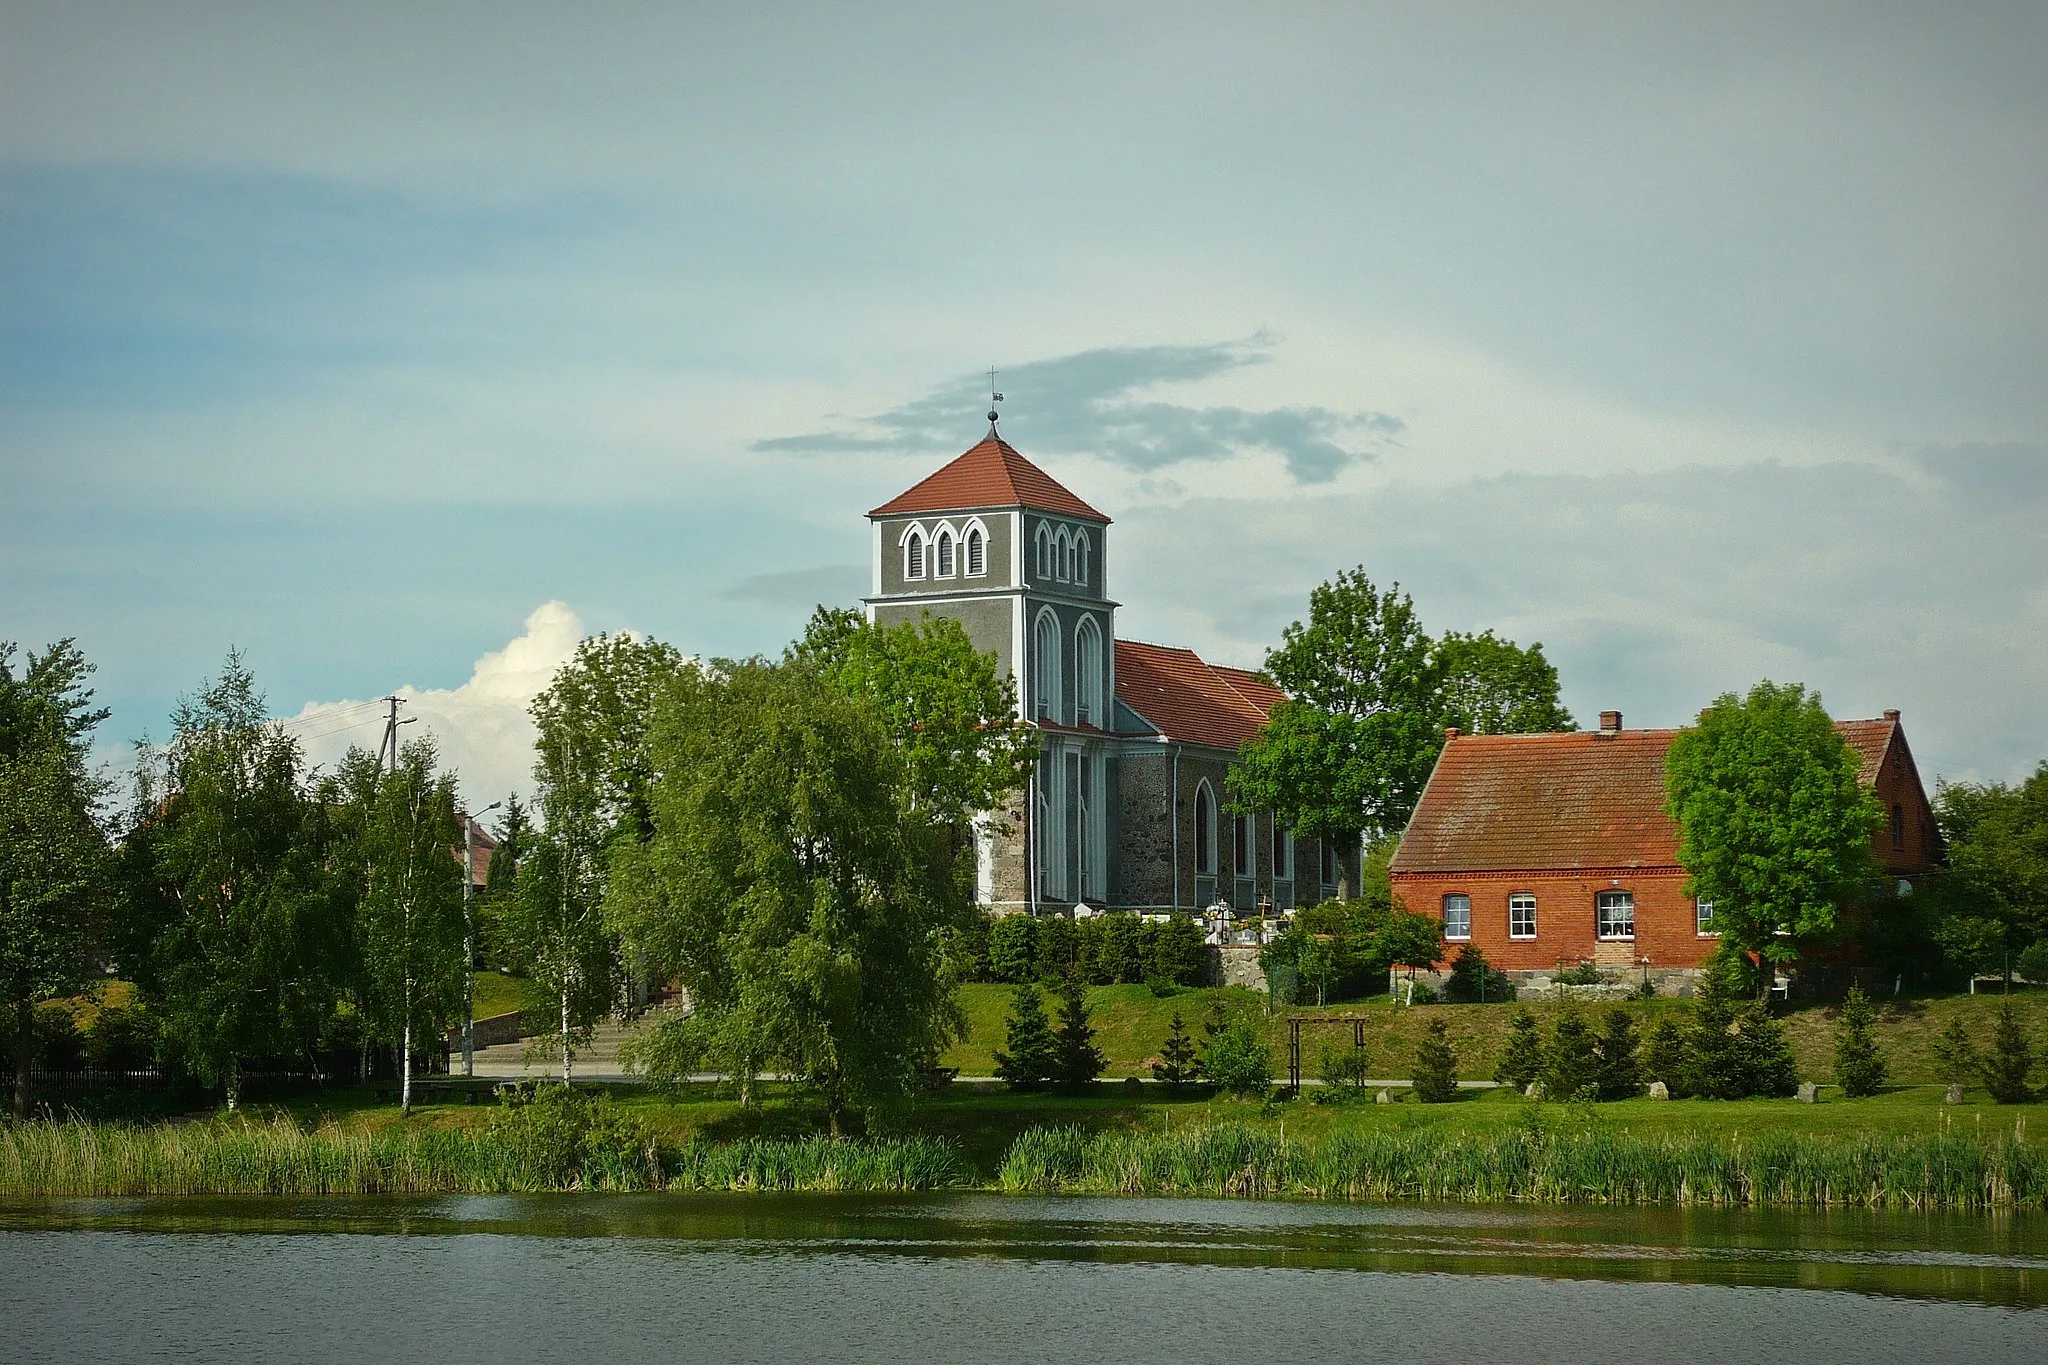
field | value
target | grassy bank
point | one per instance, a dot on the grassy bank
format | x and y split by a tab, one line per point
1131	1022
1958	1169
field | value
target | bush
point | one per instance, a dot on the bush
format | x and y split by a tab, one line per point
1619	1077
1237	1059
2033	963
1031	1059
1521	1061
1571	1070
1174	951
1076	1059
1664	1058
1177	1064
1585	974
1436	1066
1121	955
1472	980
1344	1069
572	1140
1013	949
1859	1066
2008	1070
1058	948
121	1038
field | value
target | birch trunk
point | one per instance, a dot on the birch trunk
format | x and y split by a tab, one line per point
565	1035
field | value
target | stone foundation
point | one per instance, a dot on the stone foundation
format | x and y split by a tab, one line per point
1236	965
1619	983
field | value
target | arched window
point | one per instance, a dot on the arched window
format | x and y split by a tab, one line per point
1088	673
977	558
1205	831
944	548
1241	845
913	553
1080	556
1066	556
1045	644
1044	552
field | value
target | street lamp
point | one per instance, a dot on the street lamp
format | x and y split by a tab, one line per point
469	938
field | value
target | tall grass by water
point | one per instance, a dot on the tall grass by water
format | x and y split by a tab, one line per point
1949	1170
280	1157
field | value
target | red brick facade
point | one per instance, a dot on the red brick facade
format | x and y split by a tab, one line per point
1566	917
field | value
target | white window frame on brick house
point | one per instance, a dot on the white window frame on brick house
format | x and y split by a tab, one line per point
1614	916
1522	915
1703	920
1457	916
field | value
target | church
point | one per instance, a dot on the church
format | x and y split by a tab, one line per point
1126	810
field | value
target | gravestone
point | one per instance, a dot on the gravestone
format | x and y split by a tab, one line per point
1384	1097
1659	1090
1535	1090
1954	1095
1808	1092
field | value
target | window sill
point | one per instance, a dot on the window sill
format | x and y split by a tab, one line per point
1521	938
1614	938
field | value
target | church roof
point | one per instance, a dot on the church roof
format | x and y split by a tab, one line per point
992	474
1581	799
1185	699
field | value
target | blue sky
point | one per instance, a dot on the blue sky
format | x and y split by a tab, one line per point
1702	348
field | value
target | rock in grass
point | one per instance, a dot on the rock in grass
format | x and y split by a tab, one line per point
1384	1097
1535	1090
1808	1092
1954	1095
1659	1090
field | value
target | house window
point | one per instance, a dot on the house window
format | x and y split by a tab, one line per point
1457	917
1898	827
1067	557
1521	916
1615	914
913	554
1283	867
1205	831
945	554
1329	863
1046	683
1080	556
1703	919
1087	671
1241	845
977	563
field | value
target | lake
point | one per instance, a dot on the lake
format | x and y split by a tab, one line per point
986	1278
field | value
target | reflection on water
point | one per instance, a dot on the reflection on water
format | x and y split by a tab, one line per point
986	1278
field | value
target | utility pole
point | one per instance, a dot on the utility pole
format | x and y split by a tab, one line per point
469	937
387	752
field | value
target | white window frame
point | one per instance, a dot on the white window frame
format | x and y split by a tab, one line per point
1081	557
973	546
1088	673
1702	917
1205	829
945	552
1615	899
1462	904
915	558
1045	556
1062	555
1046	676
1524	901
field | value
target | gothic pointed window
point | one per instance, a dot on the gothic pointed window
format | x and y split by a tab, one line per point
1044	554
1205	831
1080	556
976	556
913	554
1066	557
1088	673
1045	645
944	554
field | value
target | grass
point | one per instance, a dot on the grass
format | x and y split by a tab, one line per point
1131	1022
497	993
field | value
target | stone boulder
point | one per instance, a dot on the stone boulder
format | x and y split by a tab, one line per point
1954	1095
1659	1090
1808	1092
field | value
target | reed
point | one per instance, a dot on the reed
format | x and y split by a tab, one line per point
279	1157
1949	1170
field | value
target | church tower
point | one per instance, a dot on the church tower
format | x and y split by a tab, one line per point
994	542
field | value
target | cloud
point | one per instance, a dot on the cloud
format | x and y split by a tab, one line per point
831	585
482	728
1088	404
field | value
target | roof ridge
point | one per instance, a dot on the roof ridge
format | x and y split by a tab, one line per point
989	473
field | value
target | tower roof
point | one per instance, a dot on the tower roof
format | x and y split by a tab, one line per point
992	474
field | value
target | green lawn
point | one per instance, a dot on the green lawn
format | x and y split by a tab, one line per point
497	993
1131	1022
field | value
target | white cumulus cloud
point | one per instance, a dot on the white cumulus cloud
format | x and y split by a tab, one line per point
482	728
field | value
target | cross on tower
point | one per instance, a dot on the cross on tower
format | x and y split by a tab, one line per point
993	399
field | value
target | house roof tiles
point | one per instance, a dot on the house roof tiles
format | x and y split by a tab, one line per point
1188	700
992	474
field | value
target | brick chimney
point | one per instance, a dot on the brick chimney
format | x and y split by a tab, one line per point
1610	722
1450	732
1892	715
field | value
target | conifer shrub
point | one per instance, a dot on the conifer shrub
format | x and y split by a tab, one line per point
1618	1074
1859	1067
1473	980
1076	1059
1957	1055
2008	1068
1178	1064
1665	1058
1521	1060
1030	1059
1436	1066
1571	1064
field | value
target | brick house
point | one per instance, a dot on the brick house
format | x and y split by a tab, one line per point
1125	809
1549	851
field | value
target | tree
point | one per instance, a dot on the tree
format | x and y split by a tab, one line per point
1174	952
1013	948
1763	1057
797	886
1472	980
1618	1075
1996	839
1076	1059
1032	1058
1859	1066
1406	939
1774	821
1571	1068
231	931
410	916
1522	1060
515	827
1177	1064
1490	686
1436	1066
1665	1058
1237	1059
1349	751
53	852
1344	1066
2008	1069
1956	1054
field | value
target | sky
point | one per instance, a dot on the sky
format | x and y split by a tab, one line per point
400	346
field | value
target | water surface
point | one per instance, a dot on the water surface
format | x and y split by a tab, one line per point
990	1279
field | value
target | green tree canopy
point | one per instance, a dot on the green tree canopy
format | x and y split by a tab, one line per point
1774	821
1996	837
53	851
1490	686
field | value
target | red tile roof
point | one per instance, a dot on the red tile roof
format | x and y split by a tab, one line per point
1186	699
1547	802
992	474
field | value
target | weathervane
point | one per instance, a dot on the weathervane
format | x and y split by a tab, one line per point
993	399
